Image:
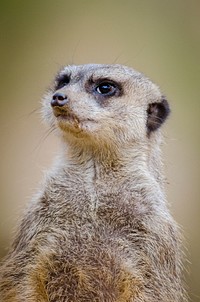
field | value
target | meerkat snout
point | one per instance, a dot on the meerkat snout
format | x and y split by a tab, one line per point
59	99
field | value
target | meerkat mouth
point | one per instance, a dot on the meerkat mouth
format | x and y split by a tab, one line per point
65	115
66	118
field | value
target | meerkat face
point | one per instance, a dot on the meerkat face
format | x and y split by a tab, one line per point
105	103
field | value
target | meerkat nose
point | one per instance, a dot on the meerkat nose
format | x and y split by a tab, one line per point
59	99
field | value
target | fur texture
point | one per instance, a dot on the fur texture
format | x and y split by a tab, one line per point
99	229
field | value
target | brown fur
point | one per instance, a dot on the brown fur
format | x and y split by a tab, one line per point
99	229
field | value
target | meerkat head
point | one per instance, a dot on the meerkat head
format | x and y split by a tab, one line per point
105	104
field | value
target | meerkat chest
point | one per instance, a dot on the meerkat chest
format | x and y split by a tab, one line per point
76	198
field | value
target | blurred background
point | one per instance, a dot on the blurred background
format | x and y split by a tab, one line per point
158	38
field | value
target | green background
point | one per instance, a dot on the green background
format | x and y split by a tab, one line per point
161	38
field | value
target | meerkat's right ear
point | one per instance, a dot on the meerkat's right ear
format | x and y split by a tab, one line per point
156	114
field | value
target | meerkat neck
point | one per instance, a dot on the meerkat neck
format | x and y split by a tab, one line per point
129	168
132	159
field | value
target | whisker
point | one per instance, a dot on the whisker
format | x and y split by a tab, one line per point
75	51
117	58
26	115
44	137
37	110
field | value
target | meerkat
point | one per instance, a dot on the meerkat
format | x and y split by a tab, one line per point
99	229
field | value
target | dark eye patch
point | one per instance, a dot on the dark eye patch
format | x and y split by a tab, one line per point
61	81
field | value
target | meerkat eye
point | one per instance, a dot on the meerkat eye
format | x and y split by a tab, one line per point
106	88
62	81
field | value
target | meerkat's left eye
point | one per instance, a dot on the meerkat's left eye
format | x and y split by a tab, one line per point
106	88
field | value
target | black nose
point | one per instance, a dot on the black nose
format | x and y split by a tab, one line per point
59	99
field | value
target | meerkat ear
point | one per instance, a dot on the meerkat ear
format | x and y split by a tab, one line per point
157	114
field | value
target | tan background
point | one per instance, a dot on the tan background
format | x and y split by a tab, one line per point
159	38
